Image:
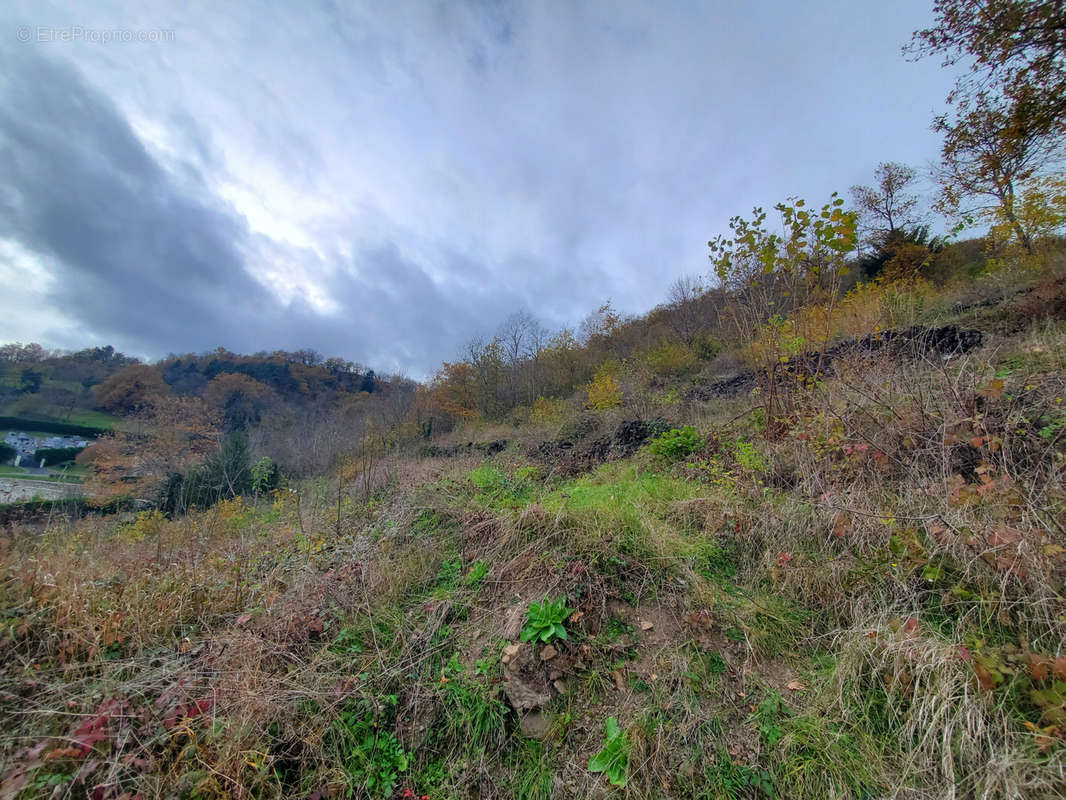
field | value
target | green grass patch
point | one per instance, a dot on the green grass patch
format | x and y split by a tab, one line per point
715	560
620	488
366	750
627	523
533	770
430	521
495	488
820	758
705	670
474	709
726	779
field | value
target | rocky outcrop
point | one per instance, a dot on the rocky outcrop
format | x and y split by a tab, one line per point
910	343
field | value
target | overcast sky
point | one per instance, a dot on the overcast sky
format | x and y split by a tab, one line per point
382	180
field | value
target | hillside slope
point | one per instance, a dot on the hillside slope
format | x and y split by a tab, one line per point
862	599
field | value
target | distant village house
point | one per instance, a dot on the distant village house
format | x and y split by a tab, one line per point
26	446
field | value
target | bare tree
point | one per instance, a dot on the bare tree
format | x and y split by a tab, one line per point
515	333
536	342
389	405
684	297
890	205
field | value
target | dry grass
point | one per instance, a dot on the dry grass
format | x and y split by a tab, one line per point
896	547
962	741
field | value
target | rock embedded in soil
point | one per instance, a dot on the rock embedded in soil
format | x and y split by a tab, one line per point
534	725
524	682
548	653
524	695
511	625
509	652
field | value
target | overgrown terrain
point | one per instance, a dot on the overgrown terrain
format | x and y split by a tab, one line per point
799	532
673	595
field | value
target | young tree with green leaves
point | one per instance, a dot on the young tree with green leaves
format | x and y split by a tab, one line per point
773	276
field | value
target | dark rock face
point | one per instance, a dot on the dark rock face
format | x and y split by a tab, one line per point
452	450
907	343
571	455
741	384
630	435
916	341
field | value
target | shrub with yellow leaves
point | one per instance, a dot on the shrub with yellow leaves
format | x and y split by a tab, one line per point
604	390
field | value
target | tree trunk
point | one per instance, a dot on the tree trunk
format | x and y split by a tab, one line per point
1008	212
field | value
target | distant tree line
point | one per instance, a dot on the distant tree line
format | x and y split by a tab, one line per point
199	425
34	378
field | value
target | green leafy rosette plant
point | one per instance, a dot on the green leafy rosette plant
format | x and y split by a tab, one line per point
613	759
544	621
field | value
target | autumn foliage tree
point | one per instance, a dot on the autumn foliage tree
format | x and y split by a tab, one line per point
453	391
604	391
1040	209
237	400
562	364
1009	108
133	389
136	461
987	160
1015	51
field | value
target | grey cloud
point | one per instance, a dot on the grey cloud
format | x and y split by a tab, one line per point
137	258
425	167
141	260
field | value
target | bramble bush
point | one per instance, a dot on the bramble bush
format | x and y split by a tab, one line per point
676	443
669	358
